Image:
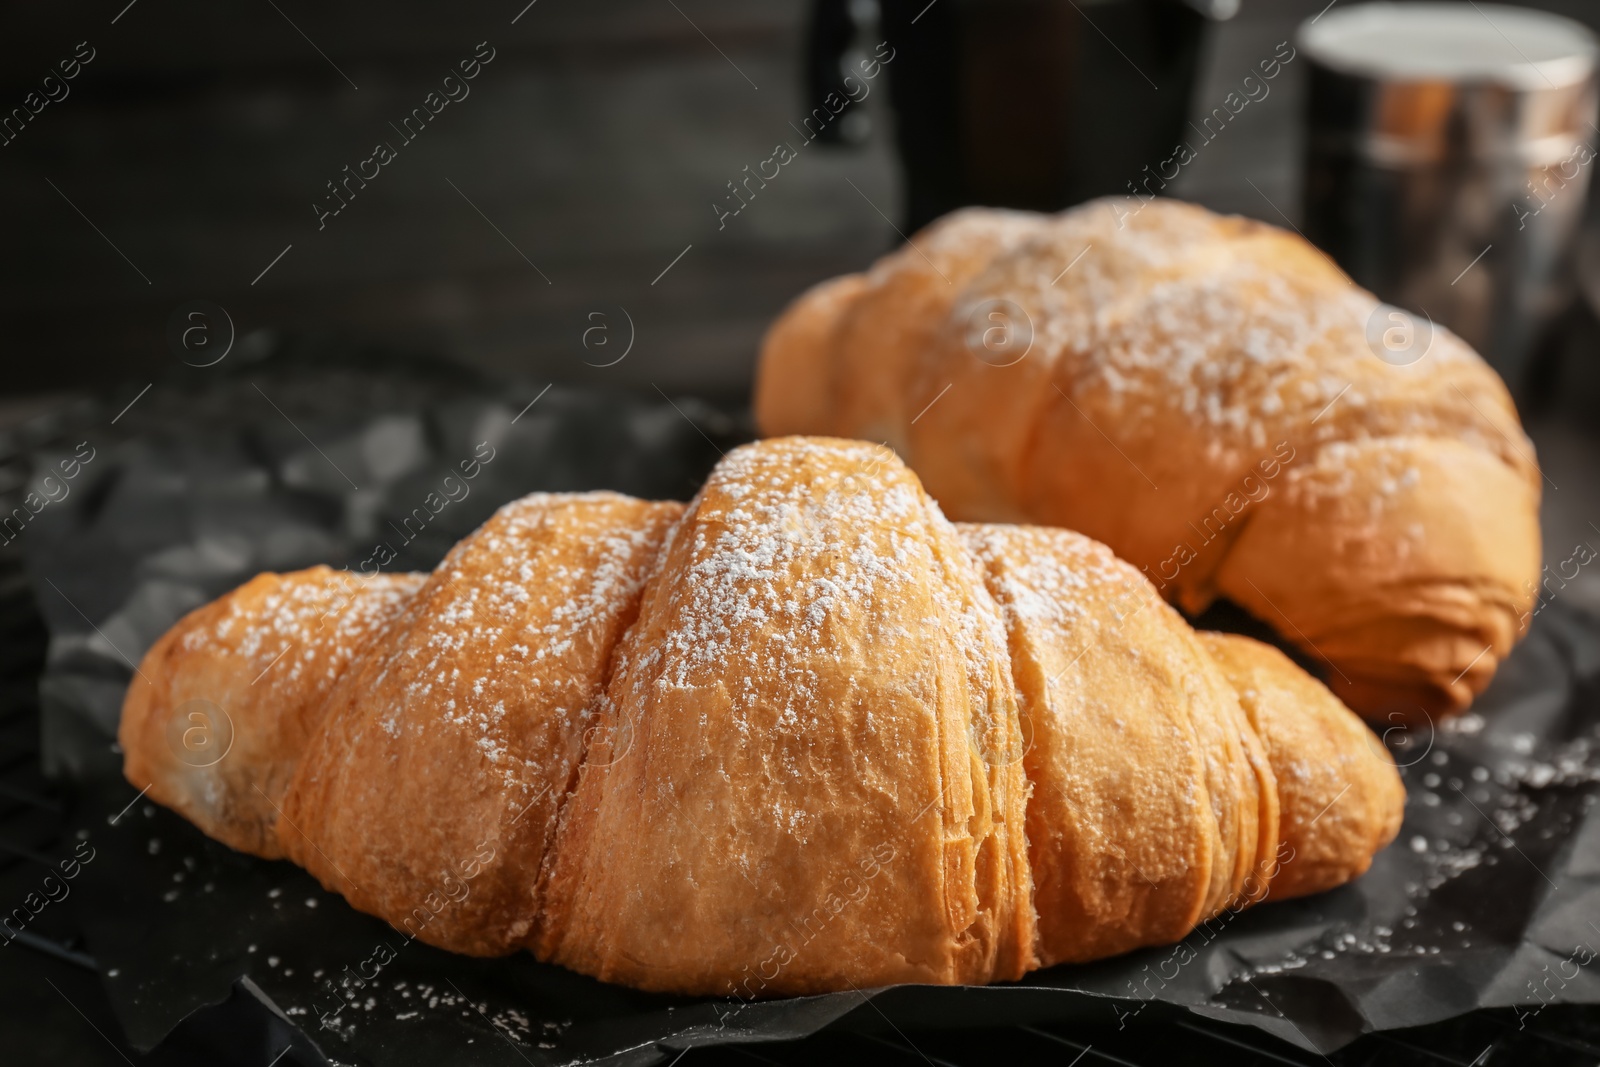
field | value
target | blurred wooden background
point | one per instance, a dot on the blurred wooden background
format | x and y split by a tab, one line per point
199	137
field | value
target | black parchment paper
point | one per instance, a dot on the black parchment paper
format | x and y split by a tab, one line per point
1490	896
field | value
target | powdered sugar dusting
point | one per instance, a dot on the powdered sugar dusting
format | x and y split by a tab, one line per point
805	562
549	617
1237	329
313	620
791	555
1054	580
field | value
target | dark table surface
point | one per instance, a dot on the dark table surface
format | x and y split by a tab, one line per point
56	1007
431	287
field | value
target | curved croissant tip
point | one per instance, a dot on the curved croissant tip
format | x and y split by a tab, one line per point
871	461
842	447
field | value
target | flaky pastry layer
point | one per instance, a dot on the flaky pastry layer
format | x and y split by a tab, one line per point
801	734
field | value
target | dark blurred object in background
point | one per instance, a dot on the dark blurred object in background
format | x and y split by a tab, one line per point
839	34
1031	103
1447	164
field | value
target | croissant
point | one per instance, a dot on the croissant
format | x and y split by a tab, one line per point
801	734
1205	395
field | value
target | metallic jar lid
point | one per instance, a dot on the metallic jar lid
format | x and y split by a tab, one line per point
1417	84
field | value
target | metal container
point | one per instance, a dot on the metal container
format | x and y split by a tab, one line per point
1448	161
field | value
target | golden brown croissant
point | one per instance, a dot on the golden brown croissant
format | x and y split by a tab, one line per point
801	734
1202	394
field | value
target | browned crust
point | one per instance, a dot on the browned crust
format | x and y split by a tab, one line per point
266	655
1177	355
454	740
802	735
1339	794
